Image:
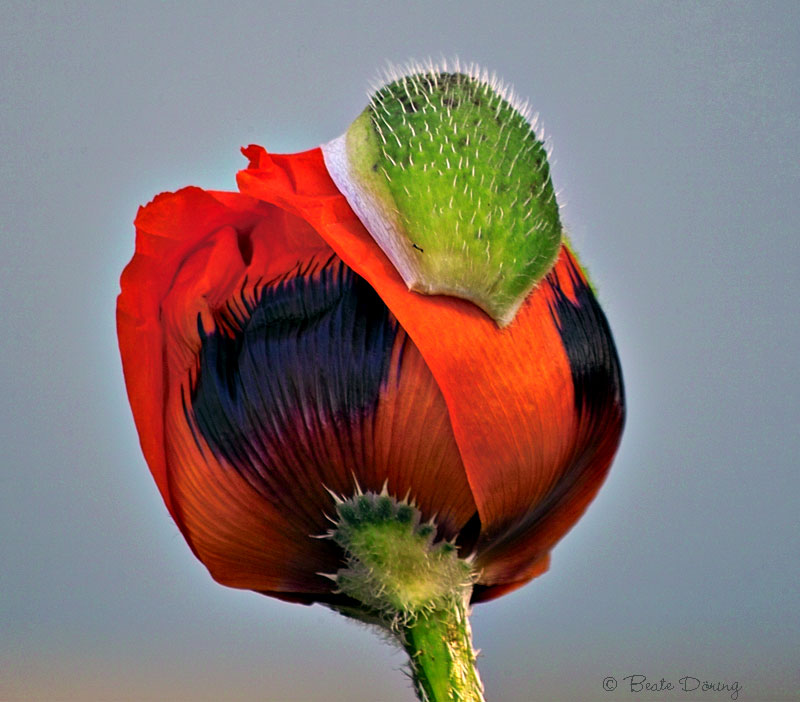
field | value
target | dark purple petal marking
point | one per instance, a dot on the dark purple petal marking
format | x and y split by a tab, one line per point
289	371
593	360
597	385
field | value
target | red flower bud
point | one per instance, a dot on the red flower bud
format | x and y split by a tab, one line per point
272	354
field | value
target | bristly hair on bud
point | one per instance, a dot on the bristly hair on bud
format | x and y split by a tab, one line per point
395	566
448	173
394	73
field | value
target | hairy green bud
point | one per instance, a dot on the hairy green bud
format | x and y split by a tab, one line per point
447	173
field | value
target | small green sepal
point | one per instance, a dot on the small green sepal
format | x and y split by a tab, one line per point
394	565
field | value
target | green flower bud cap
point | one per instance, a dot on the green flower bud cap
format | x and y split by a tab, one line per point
447	172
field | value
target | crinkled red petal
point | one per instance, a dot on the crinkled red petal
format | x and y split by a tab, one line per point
198	256
189	258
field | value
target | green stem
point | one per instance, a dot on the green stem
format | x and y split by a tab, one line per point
439	645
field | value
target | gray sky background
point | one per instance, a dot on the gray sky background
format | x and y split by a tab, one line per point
674	128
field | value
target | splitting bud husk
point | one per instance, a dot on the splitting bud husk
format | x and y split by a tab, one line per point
447	173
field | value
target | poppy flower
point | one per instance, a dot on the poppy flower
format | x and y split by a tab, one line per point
273	354
275	357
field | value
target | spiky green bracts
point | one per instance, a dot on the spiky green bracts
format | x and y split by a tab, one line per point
394	567
446	171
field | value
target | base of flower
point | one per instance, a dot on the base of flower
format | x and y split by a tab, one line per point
412	586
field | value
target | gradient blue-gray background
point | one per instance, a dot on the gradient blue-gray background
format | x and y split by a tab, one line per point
674	128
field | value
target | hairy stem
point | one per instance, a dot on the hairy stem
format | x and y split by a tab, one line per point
439	645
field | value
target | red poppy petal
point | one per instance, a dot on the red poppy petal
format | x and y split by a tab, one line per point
243	539
310	386
166	232
201	261
524	574
197	247
509	392
600	413
416	451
